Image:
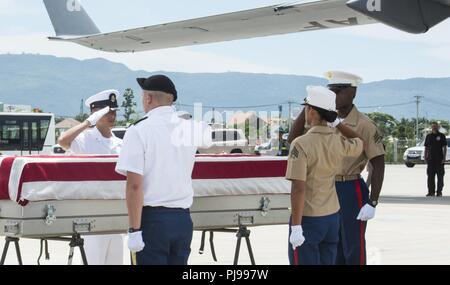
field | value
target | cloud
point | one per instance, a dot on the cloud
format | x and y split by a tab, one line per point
440	53
177	59
15	8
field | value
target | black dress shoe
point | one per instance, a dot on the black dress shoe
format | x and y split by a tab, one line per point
439	194
430	195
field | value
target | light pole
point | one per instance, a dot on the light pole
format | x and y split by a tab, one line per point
417	116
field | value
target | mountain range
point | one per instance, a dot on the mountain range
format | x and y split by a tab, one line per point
58	85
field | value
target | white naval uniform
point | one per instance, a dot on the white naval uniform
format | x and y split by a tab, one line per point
102	249
162	149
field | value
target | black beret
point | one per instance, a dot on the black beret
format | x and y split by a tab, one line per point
158	83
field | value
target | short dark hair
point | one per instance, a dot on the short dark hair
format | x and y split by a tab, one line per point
434	123
326	115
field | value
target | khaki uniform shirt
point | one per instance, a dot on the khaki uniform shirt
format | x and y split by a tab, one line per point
367	129
316	158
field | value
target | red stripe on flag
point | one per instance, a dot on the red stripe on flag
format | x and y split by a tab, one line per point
70	156
105	171
5	172
239	169
70	171
362	259
296	262
227	155
116	156
82	171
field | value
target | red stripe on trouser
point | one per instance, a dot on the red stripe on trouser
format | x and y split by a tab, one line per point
296	256
362	258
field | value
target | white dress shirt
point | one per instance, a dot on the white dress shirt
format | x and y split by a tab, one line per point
162	149
93	142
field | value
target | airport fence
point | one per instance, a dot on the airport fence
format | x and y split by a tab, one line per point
395	149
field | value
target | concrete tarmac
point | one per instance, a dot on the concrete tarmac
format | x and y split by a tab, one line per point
408	229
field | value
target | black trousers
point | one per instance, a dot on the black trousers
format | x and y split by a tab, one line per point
435	168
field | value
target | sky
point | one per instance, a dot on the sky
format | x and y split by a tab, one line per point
375	52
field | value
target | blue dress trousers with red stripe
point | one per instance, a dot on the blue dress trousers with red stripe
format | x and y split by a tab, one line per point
353	195
321	240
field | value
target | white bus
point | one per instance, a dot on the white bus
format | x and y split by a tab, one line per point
26	133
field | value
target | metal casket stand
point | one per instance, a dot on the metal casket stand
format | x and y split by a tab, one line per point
65	221
253	210
70	220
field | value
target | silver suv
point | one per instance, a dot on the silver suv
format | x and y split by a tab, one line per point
416	155
228	141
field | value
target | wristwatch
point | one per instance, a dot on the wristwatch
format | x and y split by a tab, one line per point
131	230
373	203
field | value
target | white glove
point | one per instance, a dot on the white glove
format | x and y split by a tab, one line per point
296	238
135	242
335	123
367	213
94	118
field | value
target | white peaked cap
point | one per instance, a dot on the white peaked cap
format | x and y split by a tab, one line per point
340	77
321	97
104	98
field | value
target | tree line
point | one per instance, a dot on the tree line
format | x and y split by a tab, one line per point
391	128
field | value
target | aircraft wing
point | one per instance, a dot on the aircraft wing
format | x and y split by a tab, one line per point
418	16
260	22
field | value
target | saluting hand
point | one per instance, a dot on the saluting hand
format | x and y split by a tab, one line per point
94	118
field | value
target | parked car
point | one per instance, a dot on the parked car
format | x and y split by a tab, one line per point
270	148
416	155
229	141
267	148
